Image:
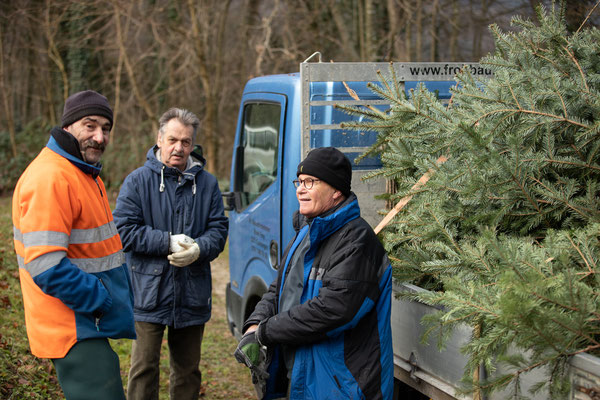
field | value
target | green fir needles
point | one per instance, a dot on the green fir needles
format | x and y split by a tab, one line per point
506	231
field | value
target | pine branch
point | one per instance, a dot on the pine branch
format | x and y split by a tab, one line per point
507	228
532	112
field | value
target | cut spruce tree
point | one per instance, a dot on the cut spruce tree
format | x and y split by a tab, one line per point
505	233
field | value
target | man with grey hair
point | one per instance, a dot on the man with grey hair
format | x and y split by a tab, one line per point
170	216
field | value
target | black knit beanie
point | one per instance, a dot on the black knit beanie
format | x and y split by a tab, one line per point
330	165
82	104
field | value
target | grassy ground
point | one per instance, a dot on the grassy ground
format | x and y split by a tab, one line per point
23	376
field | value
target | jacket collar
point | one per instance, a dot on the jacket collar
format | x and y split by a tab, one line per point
331	220
195	164
63	143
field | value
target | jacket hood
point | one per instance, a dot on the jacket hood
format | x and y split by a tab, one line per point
194	166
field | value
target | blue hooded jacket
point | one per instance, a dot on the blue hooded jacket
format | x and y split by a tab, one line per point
155	201
326	318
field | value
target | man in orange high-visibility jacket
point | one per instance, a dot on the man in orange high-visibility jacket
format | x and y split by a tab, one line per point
75	283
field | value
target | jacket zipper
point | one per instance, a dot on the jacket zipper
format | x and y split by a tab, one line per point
102	199
337	381
97	314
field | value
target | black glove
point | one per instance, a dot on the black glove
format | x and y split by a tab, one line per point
248	350
255	356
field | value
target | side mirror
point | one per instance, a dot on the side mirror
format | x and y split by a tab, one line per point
229	201
232	201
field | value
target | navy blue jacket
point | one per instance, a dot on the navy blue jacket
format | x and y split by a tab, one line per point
156	200
329	311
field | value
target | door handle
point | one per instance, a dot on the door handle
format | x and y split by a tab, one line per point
274	254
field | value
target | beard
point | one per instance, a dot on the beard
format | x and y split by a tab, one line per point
91	144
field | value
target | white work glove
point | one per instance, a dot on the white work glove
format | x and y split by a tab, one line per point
188	255
176	240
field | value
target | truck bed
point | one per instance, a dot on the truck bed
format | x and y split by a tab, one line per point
437	374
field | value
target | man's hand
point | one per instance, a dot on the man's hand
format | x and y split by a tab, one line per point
188	255
248	350
256	357
176	240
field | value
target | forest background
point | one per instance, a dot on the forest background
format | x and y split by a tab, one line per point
149	55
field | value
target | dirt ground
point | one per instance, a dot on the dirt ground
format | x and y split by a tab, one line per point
220	277
223	377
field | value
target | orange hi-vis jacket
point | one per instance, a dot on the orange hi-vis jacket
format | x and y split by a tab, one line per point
72	269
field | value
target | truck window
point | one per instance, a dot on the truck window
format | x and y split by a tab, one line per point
260	140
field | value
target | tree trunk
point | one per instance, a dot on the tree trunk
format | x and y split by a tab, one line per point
419	32
408	28
369	31
479	25
117	105
141	100
454	31
250	19
394	31
53	52
211	82
7	101
434	31
129	68
263	48
342	28
361	30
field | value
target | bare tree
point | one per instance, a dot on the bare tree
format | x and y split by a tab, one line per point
433	36
408	10
419	31
344	28
454	30
147	56
210	65
6	99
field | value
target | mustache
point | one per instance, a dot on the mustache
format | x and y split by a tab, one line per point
91	144
176	153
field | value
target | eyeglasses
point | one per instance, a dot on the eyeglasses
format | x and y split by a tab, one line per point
308	182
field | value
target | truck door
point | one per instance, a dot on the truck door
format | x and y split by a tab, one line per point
255	228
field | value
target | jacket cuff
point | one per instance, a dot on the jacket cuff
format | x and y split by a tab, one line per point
166	243
248	324
261	336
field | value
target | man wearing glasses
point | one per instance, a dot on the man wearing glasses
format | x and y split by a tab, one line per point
325	321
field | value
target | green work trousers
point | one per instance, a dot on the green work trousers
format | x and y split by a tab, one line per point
90	371
184	362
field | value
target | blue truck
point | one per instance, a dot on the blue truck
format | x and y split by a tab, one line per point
281	118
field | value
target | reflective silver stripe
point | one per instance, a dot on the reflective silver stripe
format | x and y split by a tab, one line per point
89	265
41	238
41	263
94	235
45	238
78	236
100	264
17	234
316	274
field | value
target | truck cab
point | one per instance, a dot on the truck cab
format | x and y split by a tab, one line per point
273	135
